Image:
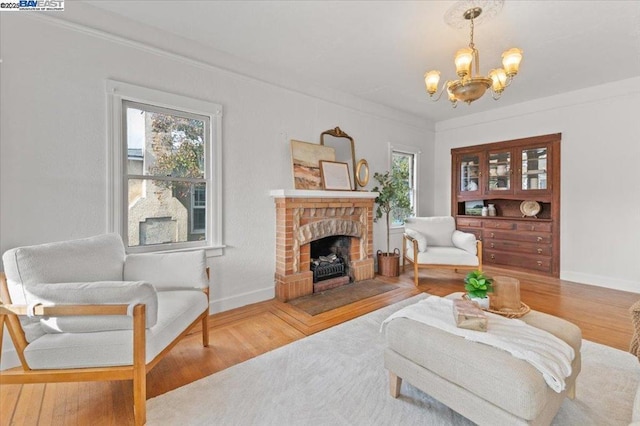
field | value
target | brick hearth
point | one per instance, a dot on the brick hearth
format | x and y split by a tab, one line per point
304	216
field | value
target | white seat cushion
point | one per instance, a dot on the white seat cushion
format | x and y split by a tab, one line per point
176	310
444	256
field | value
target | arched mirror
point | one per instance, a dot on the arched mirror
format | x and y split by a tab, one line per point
343	144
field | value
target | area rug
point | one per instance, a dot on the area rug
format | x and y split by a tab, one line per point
318	303
336	377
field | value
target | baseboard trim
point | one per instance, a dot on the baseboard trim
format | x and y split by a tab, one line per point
601	281
239	300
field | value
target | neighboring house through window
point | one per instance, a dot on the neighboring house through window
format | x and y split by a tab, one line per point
405	160
165	188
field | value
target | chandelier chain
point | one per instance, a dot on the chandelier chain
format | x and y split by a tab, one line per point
471	45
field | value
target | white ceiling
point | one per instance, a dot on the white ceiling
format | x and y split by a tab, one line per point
379	50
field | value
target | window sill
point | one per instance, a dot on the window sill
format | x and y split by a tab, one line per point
210	251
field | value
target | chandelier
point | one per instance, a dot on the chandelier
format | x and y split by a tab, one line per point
471	85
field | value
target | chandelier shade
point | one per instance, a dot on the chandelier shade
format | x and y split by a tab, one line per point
471	86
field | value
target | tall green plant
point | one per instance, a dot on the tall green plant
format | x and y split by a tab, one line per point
393	195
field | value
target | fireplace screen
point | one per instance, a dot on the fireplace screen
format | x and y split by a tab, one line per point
330	257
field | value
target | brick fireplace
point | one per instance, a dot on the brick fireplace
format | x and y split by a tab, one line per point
303	216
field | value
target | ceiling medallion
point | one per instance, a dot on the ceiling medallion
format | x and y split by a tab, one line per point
471	85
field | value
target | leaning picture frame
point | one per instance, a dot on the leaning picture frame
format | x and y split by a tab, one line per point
335	176
305	159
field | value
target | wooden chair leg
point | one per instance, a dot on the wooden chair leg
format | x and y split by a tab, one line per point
139	366
394	384
415	273
571	393
205	331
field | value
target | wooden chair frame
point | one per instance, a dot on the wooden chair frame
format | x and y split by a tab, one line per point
137	371
417	265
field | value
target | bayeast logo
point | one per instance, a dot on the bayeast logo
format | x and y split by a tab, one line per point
41	4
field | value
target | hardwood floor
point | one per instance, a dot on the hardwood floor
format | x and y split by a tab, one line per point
252	330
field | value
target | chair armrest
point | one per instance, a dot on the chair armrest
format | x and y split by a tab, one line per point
64	310
414	244
168	271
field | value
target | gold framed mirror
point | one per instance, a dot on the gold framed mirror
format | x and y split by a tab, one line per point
345	152
362	173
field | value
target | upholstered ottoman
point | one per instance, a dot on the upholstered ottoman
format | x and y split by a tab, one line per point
486	385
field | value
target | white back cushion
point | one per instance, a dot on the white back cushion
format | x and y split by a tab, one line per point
99	258
437	229
168	271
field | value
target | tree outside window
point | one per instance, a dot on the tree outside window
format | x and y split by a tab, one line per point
403	165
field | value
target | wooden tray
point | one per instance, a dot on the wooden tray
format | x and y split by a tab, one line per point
524	309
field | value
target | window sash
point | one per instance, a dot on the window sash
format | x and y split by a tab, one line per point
412	181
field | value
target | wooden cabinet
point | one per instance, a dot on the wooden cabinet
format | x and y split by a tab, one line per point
506	174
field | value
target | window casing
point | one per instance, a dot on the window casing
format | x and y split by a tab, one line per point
165	183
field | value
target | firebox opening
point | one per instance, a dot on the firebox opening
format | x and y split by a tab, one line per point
330	261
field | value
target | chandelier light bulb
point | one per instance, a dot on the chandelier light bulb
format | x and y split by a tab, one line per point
498	80
463	60
511	61
431	80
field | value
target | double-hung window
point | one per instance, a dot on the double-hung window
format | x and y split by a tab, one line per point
404	162
165	188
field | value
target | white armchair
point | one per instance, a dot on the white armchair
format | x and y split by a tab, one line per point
434	242
83	310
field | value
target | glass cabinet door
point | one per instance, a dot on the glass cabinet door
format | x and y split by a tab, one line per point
469	173
499	171
534	168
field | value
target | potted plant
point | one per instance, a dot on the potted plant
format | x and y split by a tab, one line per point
477	285
393	198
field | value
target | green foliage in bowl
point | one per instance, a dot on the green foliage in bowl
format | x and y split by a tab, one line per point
477	284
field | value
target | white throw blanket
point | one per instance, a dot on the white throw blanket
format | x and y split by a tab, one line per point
547	353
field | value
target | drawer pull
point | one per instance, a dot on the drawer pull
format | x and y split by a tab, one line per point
539	262
492	235
539	239
493	256
533	227
539	251
493	245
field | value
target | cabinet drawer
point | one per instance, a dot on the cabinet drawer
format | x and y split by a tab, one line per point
534	226
538	263
533	237
520	247
499	224
465	221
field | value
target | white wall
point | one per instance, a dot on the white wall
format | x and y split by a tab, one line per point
53	165
600	154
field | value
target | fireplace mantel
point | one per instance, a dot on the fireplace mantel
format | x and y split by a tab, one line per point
309	193
303	216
